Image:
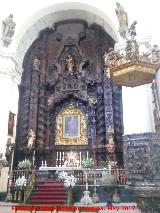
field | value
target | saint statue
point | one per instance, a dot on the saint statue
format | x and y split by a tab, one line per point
70	64
36	63
156	54
8	29
31	139
123	20
132	30
111	145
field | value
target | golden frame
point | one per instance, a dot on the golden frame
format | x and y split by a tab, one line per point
79	136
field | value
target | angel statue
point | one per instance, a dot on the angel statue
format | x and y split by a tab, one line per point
123	20
8	30
31	139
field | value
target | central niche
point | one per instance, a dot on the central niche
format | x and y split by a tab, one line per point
71	127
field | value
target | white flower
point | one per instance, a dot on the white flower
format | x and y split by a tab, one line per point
69	181
62	175
21	182
25	164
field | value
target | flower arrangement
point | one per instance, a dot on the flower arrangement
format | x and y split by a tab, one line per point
21	183
24	165
87	163
69	180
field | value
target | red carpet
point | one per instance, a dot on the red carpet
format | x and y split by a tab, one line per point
49	193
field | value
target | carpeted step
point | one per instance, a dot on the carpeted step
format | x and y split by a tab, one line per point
51	201
50	192
39	193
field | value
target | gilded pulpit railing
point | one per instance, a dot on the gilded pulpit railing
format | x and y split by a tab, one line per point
30	186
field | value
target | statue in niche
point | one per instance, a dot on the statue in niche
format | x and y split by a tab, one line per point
70	64
31	139
84	64
8	30
123	20
36	64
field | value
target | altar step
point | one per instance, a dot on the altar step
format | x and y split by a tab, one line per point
50	192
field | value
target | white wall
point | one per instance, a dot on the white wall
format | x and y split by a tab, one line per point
138	109
9	102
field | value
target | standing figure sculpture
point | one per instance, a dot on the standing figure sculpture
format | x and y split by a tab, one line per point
132	30
31	139
36	64
70	64
123	20
8	30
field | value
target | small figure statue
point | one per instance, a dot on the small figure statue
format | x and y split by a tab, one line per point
36	64
123	20
156	54
31	139
132	30
8	30
70	64
105	56
50	100
111	145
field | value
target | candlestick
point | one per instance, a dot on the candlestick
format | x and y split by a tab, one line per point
87	155
45	163
42	163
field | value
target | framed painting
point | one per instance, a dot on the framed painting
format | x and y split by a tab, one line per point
71	125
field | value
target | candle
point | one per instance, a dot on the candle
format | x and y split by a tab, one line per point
63	157
87	155
42	163
45	163
60	158
80	158
87	186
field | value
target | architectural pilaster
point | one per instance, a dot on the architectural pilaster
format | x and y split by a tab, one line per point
10	76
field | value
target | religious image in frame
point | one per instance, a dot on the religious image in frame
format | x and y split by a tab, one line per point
71	125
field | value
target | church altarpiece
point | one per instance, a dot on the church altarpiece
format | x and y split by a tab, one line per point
64	85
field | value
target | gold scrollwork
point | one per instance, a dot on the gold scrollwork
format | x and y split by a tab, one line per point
71	127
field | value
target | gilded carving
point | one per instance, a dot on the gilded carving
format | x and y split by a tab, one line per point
71	127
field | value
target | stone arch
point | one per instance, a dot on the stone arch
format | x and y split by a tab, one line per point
47	16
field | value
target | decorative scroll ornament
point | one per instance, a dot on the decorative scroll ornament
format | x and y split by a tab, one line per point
71	127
